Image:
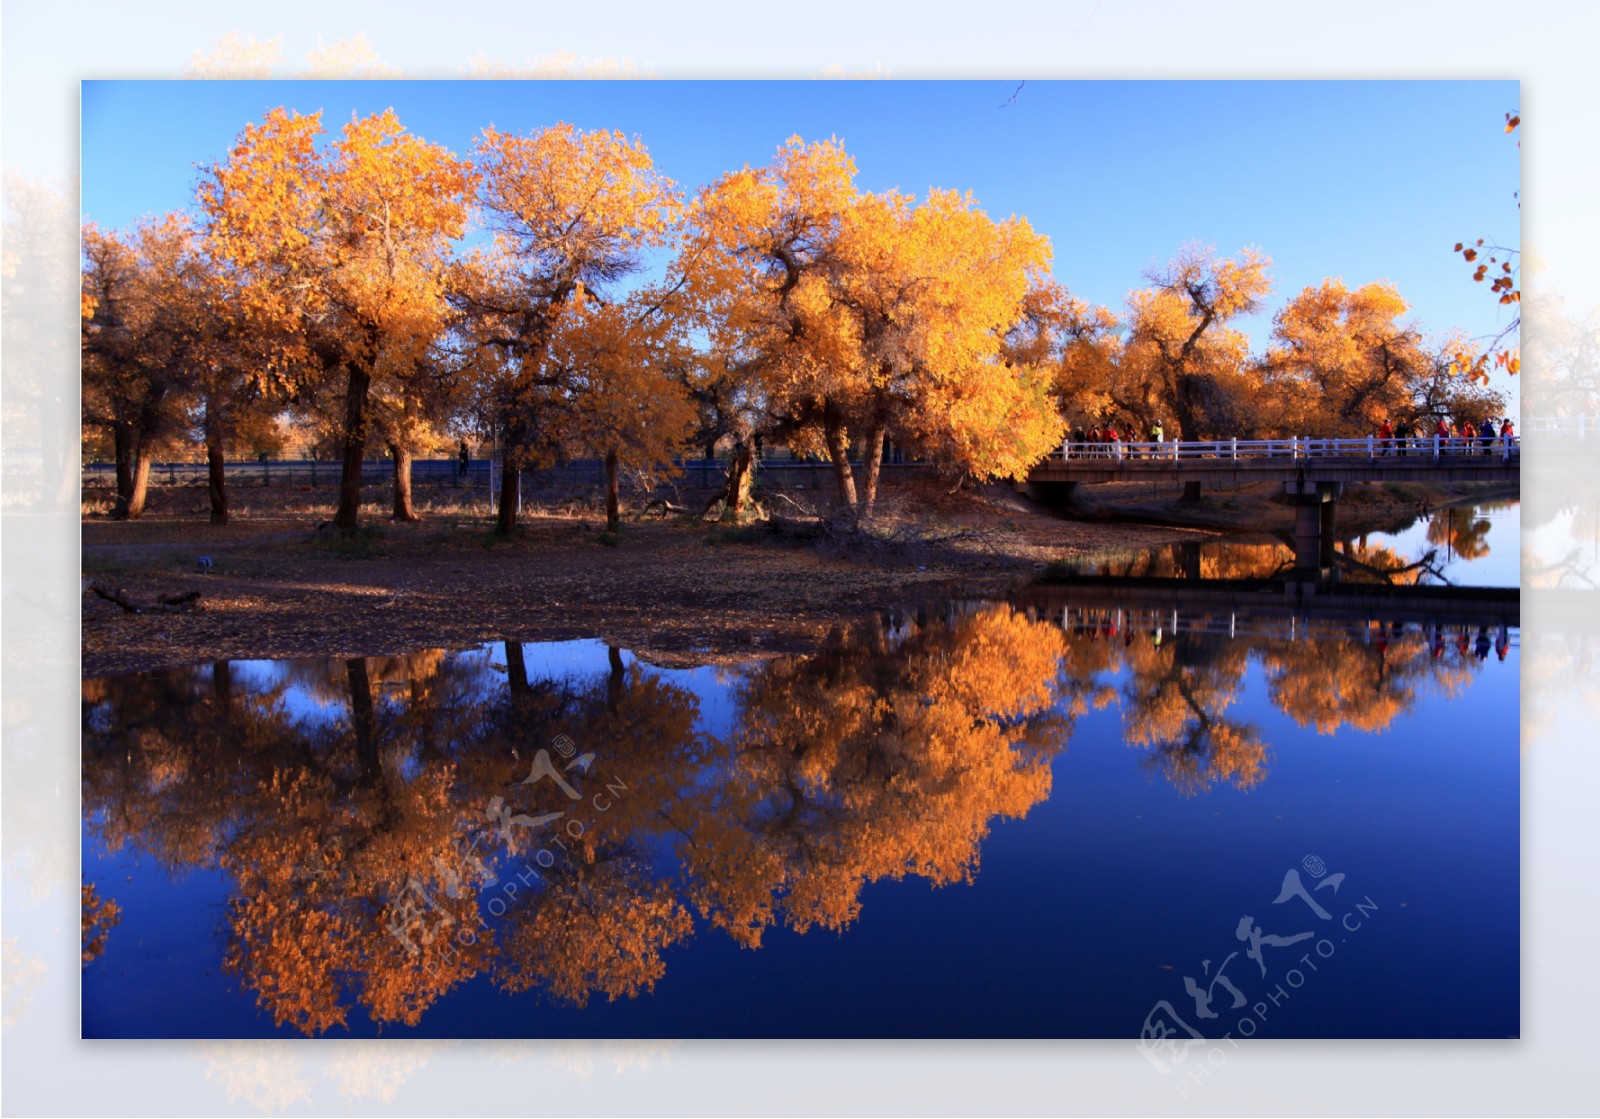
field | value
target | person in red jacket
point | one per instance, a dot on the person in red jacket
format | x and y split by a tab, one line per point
1385	436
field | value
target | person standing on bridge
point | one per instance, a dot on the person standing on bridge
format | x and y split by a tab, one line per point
1508	435
1402	435
1486	435
1157	436
1114	442
1441	432
1385	436
1468	434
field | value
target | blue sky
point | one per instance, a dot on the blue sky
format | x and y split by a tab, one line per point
1358	180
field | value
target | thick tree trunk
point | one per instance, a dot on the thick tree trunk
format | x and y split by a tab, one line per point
141	483
403	510
361	721
872	464
838	454
354	447
510	496
739	474
122	442
216	474
612	517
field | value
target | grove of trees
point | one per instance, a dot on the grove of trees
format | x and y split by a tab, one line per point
557	294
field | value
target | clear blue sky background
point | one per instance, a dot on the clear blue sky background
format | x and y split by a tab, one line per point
1358	180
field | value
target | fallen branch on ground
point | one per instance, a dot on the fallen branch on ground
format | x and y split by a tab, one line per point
166	604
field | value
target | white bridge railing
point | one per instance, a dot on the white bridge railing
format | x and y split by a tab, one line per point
1159	625
1580	426
1369	448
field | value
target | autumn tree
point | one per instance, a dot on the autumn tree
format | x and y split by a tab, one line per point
344	246
1180	349
141	340
861	314
1342	361
626	404
572	214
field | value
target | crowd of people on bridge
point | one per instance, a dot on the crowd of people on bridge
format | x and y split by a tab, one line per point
1105	440
1464	437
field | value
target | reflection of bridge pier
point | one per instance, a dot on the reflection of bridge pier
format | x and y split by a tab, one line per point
1314	504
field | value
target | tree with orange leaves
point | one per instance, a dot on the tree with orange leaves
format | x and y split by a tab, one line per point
572	213
142	339
859	315
345	247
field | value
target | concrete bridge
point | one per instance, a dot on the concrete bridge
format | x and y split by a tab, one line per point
1313	472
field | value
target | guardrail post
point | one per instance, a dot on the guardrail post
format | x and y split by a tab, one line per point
1369	448
1436	447
1235	449
1581	425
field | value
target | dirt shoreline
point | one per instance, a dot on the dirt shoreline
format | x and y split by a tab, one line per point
673	593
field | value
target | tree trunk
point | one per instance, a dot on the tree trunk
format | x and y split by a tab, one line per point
354	447
141	482
611	490
216	477
510	495
361	721
872	464
739	474
122	442
833	433
403	511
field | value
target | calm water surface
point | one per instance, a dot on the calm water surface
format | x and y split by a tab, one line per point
1081	811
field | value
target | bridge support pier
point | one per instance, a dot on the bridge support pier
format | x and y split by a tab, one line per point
1314	504
1057	495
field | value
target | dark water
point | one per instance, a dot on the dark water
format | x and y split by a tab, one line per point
1055	815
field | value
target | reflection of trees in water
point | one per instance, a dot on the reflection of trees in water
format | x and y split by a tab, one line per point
890	753
882	757
1178	688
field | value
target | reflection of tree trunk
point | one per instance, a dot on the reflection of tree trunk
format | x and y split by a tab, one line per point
403	510
872	464
611	489
222	681
216	477
361	722
354	447
838	450
510	495
1186	559
615	681
517	673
